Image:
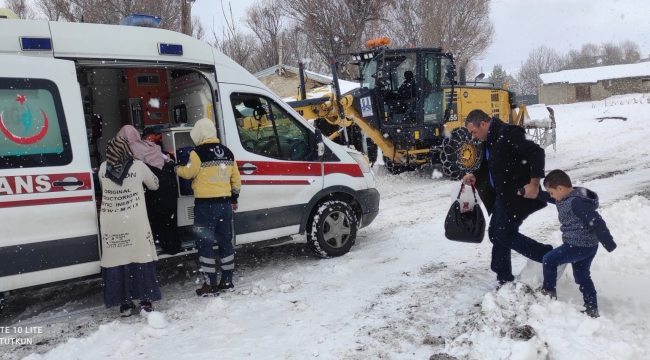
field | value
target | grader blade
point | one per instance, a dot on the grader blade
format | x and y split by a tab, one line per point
540	127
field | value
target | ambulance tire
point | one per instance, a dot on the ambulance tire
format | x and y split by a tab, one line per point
460	154
332	229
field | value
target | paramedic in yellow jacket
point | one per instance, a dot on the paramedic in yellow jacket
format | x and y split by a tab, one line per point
216	184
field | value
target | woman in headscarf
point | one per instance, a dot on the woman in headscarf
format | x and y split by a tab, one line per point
128	251
161	204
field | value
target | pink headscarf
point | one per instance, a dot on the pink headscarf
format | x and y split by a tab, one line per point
143	150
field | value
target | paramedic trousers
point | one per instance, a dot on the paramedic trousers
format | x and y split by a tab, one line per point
504	235
213	221
580	259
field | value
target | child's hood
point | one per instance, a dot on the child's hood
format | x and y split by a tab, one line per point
585	194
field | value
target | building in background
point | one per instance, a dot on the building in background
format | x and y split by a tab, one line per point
591	84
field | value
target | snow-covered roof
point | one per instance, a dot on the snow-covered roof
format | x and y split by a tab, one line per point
595	74
309	74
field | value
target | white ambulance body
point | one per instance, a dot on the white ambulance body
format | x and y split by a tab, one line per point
56	76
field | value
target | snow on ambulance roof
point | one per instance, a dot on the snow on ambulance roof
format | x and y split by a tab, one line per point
593	75
118	42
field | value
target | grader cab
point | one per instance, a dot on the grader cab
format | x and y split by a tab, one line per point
409	105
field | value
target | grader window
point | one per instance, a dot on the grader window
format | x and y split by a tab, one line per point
432	89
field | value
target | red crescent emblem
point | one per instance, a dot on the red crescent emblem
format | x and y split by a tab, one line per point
25	140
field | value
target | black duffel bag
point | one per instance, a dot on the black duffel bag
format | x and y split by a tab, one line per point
468	226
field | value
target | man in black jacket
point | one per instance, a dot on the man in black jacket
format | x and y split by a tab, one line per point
510	162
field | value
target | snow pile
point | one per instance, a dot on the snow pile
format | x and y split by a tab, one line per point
517	322
156	320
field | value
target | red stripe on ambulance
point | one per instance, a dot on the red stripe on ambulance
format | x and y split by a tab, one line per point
275	182
61	200
280	168
349	169
35	184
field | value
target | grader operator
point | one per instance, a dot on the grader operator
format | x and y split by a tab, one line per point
405	106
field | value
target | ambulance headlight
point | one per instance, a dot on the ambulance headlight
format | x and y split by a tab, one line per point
362	161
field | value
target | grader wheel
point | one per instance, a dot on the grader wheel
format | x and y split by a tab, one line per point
460	154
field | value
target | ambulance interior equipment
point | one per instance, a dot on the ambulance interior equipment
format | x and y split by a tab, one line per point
166	102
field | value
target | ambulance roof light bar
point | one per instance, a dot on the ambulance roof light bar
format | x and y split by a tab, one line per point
35	43
141	20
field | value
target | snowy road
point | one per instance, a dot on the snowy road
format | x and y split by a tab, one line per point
404	291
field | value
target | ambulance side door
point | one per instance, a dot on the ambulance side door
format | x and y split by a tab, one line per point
277	158
47	209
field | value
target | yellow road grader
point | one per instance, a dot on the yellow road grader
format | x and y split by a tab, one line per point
410	106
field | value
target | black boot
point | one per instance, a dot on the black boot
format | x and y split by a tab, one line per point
591	310
126	309
226	286
208	291
146	306
551	293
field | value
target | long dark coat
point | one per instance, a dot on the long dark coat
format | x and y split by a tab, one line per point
513	161
161	207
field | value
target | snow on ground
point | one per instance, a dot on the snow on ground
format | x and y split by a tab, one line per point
404	291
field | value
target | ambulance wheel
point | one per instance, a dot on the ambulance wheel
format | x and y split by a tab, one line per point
460	154
332	229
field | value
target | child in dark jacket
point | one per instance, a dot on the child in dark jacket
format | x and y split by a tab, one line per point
582	229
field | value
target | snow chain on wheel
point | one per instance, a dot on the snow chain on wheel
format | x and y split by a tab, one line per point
460	154
332	229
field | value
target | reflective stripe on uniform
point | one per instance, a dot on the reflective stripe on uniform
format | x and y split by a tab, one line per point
206	260
209	269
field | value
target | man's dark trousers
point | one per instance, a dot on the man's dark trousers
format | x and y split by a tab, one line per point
504	235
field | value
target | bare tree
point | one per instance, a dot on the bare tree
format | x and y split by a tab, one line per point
462	27
631	52
22	8
111	11
587	56
298	47
197	28
610	54
336	26
234	43
540	60
405	28
266	20
53	10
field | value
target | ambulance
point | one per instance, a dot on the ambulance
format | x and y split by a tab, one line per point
67	88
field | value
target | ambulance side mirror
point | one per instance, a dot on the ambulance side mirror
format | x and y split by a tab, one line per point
320	147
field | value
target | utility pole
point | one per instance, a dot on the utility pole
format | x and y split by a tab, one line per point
186	17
